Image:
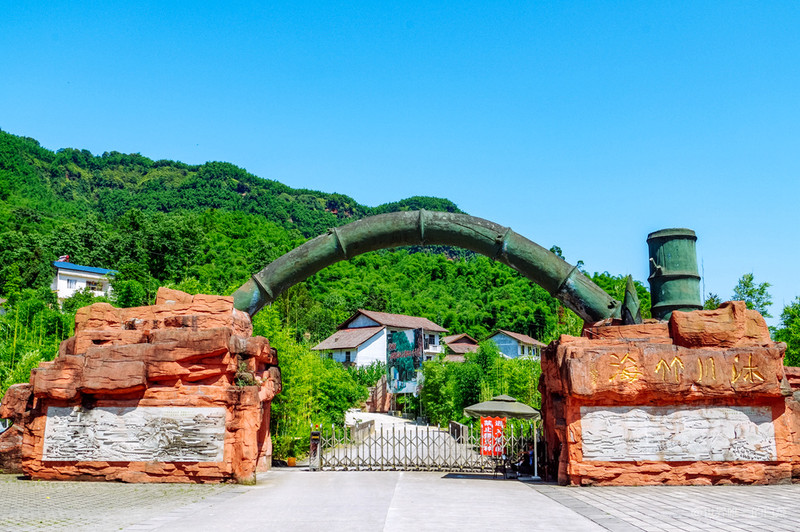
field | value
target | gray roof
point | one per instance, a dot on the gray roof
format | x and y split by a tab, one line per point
399	321
347	338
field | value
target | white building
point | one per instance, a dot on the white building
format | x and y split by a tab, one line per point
516	345
363	339
71	278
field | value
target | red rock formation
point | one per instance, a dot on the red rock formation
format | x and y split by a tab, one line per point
380	399
15	402
720	358
730	325
184	352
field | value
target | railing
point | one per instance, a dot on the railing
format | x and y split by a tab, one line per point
361	431
409	447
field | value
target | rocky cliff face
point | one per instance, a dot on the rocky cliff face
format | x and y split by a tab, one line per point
702	399
174	392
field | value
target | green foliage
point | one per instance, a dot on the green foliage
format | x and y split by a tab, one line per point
367	376
244	377
789	332
316	390
30	333
486	356
206	229
449	387
755	295
614	285
80	299
712	302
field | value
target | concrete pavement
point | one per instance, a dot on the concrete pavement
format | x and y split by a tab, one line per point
298	500
389	501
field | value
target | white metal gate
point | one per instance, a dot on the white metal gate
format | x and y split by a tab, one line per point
409	447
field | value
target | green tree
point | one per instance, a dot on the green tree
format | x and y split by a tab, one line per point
755	295
13	286
712	302
789	332
485	357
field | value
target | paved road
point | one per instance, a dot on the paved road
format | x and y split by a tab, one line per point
298	500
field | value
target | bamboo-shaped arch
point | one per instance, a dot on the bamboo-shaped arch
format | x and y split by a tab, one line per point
559	278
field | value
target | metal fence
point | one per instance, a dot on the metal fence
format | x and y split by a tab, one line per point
410	447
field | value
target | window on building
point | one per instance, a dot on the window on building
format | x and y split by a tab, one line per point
347	356
522	350
72	283
431	339
94	285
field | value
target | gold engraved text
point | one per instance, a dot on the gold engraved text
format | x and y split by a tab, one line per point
670	371
748	373
706	369
625	369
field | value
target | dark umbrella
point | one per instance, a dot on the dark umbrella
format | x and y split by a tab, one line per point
503	406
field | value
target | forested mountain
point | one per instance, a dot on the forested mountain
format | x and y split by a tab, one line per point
167	216
207	228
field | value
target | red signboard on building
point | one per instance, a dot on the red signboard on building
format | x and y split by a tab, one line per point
493	441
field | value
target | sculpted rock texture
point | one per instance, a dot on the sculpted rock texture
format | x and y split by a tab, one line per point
380	398
184	352
15	403
722	360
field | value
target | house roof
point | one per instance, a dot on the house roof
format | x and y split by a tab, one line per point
454	358
347	338
79	268
399	321
521	338
461	348
462	338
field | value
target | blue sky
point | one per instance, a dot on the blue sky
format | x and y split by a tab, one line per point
582	124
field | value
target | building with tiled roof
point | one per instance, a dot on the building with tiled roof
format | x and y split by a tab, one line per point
396	321
363	338
516	345
459	345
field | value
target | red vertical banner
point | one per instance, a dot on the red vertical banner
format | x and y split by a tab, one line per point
492	436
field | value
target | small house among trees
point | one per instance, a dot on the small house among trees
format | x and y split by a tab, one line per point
364	337
458	345
70	278
516	345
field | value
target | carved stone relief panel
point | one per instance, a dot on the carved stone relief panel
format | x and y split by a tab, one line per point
135	434
678	433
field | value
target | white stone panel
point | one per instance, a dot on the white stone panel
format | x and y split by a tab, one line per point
140	434
678	433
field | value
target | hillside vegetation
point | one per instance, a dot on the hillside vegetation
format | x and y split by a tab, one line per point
207	228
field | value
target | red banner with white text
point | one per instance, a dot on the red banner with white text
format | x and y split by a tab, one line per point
493	441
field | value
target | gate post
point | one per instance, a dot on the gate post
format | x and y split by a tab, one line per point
314	455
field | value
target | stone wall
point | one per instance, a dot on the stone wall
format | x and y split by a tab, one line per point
702	399
174	392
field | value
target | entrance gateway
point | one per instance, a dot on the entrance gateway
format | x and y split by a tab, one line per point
618	402
405	446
